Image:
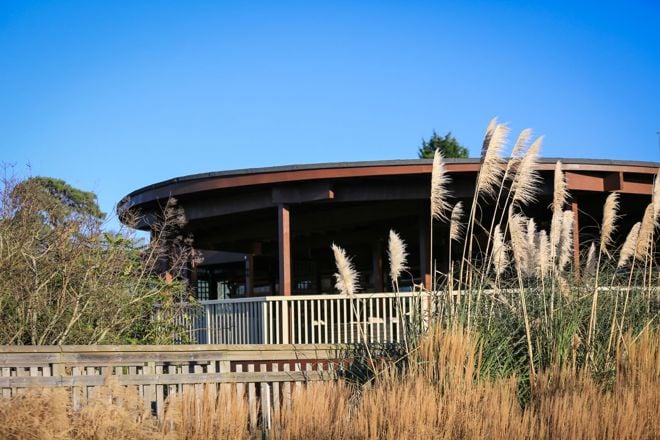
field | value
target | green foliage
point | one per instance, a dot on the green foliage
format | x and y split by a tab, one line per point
66	281
447	144
71	199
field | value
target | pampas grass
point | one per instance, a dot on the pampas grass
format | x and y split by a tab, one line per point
488	135
346	278
456	227
629	246
439	191
590	266
532	246
492	168
517	225
559	198
396	252
521	143
560	189
500	249
526	182
566	245
593	267
609	221
646	229
543	261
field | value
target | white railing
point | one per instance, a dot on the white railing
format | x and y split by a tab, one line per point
308	319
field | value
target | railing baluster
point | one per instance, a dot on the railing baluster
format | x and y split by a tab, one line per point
326	320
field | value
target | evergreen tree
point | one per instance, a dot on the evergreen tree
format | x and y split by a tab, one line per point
448	146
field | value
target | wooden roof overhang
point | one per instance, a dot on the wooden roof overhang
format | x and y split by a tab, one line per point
213	195
251	211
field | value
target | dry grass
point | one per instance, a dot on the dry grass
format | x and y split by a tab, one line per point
442	394
115	412
211	414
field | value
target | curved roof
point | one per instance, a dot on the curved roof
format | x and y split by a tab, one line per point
196	183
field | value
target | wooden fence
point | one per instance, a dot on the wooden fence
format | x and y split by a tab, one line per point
264	374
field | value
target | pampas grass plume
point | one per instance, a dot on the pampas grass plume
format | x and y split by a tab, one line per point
629	246
517	224
566	245
396	251
560	191
500	261
491	162
489	134
609	219
346	276
559	197
645	233
439	191
521	143
590	265
456	227
543	255
525	184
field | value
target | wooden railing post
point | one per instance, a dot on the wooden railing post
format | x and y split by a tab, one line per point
207	308
286	318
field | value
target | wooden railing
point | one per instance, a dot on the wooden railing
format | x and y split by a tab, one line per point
308	319
262	374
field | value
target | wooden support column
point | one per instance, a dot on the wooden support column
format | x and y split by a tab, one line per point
424	248
284	246
377	266
576	239
249	275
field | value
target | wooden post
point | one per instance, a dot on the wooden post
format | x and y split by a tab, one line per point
424	248
284	245
377	266
249	275
576	239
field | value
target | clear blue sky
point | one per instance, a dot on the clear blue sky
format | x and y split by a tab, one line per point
115	96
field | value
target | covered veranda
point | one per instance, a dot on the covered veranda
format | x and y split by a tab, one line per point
265	235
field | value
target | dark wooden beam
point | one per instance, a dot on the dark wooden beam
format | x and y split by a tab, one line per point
284	246
613	182
302	192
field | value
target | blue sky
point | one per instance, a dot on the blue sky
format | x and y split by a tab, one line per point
112	96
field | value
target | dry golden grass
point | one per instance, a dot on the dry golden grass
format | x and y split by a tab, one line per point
206	414
441	395
115	412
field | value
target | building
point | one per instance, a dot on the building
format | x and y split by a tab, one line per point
267	231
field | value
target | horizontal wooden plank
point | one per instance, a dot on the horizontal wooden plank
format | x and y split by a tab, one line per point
167	379
219	350
13	359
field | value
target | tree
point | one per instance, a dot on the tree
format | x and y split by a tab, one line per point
71	199
67	281
448	146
